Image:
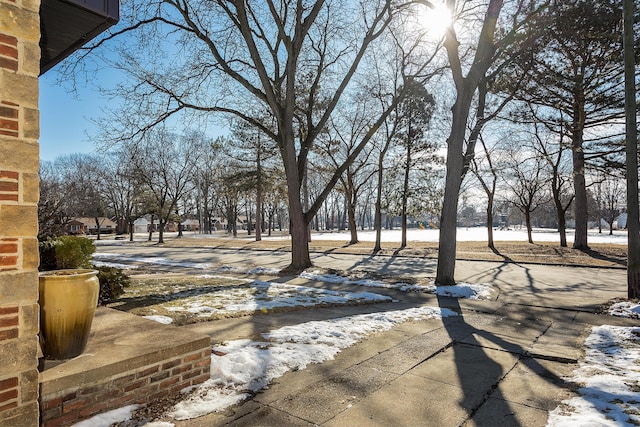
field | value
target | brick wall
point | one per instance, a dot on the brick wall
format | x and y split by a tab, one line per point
140	386
19	159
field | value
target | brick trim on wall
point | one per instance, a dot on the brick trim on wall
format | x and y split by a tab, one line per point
9	184
9	118
8	393
8	52
9	327
9	255
142	386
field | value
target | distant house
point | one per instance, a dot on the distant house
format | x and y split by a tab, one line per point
87	225
75	227
141	225
191	225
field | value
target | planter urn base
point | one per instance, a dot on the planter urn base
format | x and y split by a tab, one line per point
68	300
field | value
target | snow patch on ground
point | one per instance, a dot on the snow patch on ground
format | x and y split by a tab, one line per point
108	418
478	291
625	309
242	367
609	379
114	265
262	296
165	320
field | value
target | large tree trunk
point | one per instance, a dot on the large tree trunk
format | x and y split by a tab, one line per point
300	258
562	227
560	213
259	215
633	222
377	222
449	216
455	166
161	231
352	200
405	192
579	182
351	217
151	229
97	220
298	222
465	88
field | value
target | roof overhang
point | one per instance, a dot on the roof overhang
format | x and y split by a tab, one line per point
66	25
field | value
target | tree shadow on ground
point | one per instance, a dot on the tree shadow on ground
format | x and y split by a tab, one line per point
464	336
600	256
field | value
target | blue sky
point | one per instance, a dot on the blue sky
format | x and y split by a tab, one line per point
66	125
65	118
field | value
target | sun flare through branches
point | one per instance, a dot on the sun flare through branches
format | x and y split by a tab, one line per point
434	19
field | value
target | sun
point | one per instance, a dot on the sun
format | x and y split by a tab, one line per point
435	20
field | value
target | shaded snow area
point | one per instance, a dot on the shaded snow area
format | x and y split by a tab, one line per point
461	290
259	296
240	368
609	380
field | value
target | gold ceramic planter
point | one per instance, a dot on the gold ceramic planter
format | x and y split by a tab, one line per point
68	300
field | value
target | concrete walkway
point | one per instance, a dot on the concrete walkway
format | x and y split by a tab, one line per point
501	363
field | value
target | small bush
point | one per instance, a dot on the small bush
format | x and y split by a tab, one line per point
63	252
112	284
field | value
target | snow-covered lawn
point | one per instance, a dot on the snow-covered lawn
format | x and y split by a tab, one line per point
467	234
225	301
477	234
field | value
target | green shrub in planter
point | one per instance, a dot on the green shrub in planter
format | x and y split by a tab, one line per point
64	252
112	284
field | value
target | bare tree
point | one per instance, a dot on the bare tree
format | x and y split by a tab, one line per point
123	190
612	189
554	154
490	55
486	172
51	205
236	58
206	171
526	183
572	77
342	137
164	164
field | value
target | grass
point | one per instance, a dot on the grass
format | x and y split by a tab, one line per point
600	255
